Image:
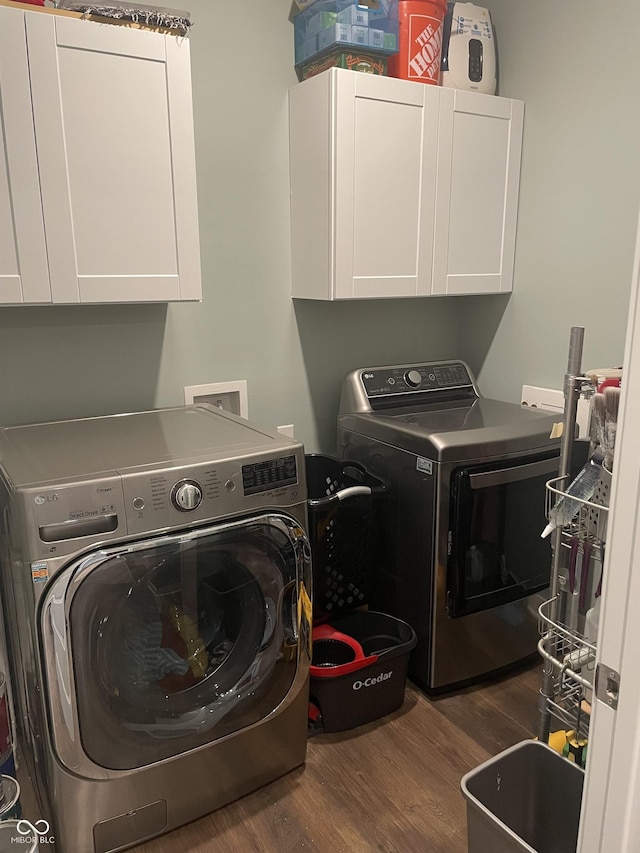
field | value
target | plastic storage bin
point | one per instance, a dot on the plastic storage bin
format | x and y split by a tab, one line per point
527	798
353	60
342	501
359	668
368	29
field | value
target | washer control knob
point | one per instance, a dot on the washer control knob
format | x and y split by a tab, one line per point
186	495
413	378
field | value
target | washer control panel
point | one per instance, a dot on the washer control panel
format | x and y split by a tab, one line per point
202	492
263	476
407	379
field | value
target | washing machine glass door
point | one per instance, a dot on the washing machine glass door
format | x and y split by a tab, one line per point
166	645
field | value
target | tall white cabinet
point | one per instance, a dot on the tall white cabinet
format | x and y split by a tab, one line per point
97	183
401	189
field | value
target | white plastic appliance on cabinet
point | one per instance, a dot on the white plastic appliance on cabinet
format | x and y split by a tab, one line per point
112	116
400	188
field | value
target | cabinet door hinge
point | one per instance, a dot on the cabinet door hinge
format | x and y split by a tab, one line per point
607	685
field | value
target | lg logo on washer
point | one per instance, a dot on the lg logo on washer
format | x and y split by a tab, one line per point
43	499
370	682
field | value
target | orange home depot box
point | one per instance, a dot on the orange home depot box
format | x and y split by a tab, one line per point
419	40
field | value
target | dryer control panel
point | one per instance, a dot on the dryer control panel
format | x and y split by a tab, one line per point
416	377
373	388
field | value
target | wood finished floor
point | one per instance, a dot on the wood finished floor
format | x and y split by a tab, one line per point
392	786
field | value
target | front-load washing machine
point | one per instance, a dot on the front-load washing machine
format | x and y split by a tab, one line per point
155	577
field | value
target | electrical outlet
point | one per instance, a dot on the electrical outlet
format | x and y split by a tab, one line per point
286	429
230	396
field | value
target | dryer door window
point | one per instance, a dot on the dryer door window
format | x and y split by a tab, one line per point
496	554
183	641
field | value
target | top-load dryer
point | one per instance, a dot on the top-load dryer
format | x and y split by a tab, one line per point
155	576
463	559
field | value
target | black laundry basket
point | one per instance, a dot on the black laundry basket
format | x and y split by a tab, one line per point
343	499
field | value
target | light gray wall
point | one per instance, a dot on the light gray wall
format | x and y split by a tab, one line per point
69	362
294	355
577	67
577	218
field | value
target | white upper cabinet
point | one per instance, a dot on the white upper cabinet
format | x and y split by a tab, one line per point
115	177
401	189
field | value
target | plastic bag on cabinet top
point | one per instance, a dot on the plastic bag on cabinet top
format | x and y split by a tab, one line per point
150	16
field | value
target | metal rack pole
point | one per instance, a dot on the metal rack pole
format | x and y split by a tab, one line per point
572	386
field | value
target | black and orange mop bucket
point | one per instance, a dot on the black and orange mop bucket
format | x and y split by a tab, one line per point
359	668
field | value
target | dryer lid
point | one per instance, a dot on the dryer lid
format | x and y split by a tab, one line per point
458	431
434	409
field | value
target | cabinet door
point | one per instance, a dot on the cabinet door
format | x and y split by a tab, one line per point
384	161
363	153
114	130
479	151
24	274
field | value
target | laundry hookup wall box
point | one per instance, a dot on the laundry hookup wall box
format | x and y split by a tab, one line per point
230	396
